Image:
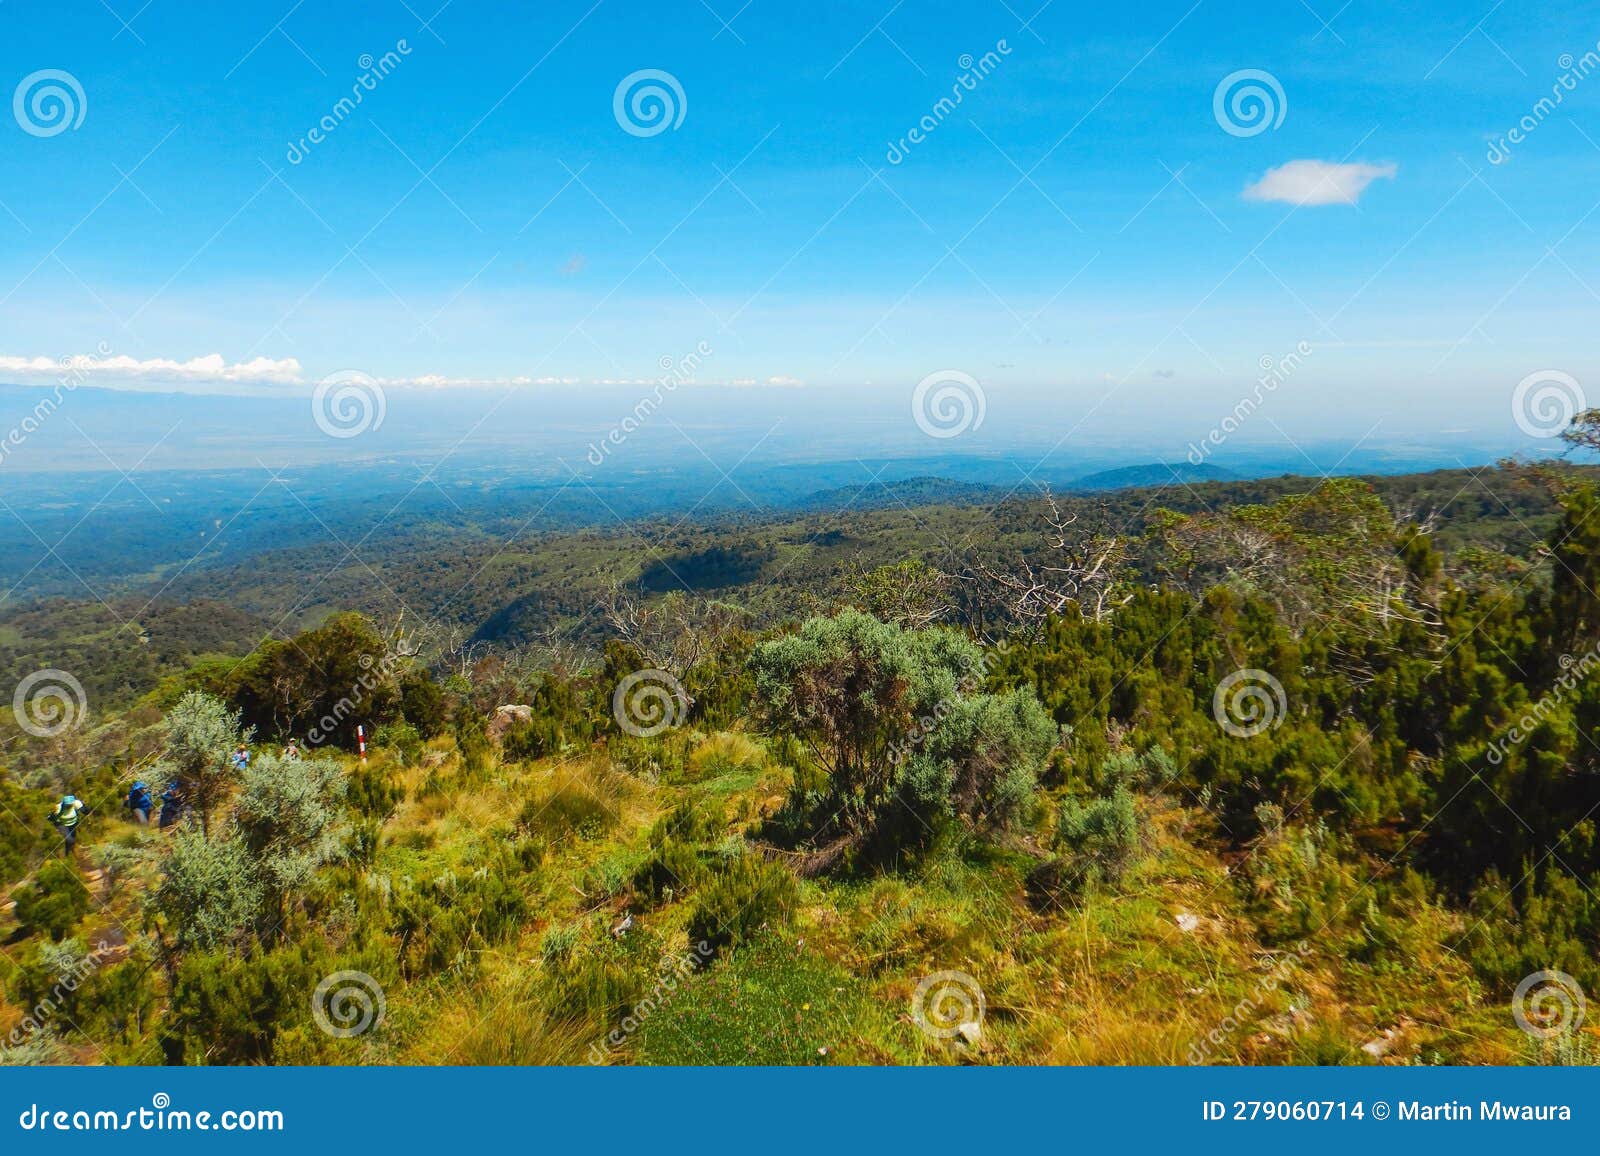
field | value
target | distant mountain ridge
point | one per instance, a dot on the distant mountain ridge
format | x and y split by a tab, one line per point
1154	474
919	491
932	489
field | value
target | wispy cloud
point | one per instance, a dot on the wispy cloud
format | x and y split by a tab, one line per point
438	381
1311	182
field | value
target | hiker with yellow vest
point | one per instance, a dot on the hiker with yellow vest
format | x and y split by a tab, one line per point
65	819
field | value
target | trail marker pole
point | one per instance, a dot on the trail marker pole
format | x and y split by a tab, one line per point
361	742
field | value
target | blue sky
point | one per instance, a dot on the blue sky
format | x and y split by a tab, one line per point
1076	233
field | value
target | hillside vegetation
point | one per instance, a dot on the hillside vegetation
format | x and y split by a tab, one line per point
1305	776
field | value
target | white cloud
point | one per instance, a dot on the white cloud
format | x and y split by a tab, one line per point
114	371
259	371
1317	182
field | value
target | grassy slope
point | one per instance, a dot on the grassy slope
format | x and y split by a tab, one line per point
1116	980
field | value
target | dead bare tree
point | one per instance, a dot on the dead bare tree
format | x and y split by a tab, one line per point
1083	567
551	652
462	652
674	633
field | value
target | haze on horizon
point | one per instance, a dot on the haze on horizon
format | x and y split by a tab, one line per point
1099	232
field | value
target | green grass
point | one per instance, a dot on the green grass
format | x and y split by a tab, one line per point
773	1002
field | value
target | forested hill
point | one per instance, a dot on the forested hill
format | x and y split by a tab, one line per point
496	580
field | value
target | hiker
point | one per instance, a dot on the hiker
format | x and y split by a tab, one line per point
291	751
241	758
139	804
171	805
65	819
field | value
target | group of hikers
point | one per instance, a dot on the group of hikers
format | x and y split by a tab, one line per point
140	805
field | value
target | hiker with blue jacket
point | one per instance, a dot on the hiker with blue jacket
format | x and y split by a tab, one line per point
139	804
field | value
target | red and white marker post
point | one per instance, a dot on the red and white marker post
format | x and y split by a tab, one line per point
361	742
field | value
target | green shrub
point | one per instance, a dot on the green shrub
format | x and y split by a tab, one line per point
694	820
401	738
536	738
210	891
365	836
20	843
1105	831
671	869
1096	842
472	740
444	923
54	902
1135	771
600	982
233	1009
423	703
373	792
747	895
290	818
609	876
200	733
48	981
116	1002
898	719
